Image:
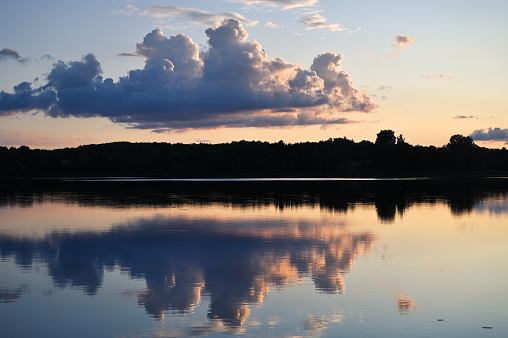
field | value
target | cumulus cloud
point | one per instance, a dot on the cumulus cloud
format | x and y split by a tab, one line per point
314	20
25	99
491	134
402	41
194	15
232	84
8	53
284	4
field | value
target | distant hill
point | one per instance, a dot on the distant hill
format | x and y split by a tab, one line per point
389	155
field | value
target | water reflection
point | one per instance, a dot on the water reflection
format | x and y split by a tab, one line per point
496	204
318	324
391	198
181	260
230	263
406	304
8	295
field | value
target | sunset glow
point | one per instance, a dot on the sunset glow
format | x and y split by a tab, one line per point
225	71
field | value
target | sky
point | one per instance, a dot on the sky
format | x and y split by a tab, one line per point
97	71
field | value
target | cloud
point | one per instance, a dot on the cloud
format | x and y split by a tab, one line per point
272	25
194	15
128	10
259	121
47	57
463	117
491	134
313	20
128	54
232	84
440	76
383	87
25	99
284	4
8	53
402	41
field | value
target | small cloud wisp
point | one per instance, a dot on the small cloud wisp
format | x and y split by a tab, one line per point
440	76
194	15
284	4
464	117
402	41
314	20
8	53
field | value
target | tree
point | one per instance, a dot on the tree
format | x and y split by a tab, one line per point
401	139
386	138
461	142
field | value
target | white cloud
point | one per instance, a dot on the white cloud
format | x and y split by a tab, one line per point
194	15
314	20
272	25
128	10
284	4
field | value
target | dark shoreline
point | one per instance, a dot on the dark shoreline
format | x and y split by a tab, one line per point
338	157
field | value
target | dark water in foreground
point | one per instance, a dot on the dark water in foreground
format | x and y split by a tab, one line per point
301	258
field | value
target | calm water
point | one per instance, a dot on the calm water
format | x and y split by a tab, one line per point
155	258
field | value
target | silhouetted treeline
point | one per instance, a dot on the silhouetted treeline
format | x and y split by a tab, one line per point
333	157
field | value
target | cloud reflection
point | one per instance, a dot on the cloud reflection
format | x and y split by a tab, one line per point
494	205
207	256
318	324
11	295
181	260
405	304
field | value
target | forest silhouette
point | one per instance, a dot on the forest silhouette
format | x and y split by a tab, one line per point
338	157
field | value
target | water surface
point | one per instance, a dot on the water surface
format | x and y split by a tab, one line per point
143	257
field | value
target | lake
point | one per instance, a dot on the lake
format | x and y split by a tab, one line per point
140	257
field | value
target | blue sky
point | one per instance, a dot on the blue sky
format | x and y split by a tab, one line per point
426	69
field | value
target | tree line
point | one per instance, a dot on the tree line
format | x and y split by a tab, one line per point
388	155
